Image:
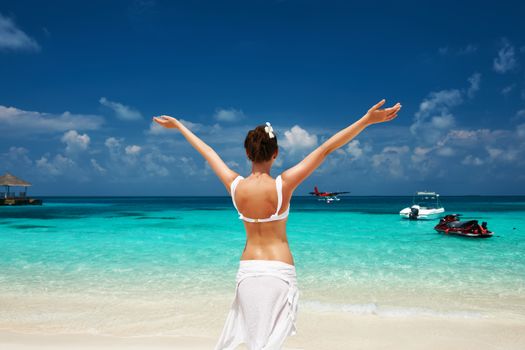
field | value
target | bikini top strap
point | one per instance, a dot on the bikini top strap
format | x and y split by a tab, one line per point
279	187
233	186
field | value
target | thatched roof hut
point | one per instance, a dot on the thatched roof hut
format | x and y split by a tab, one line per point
10	198
11	180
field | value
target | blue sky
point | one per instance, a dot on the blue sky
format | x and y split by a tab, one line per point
80	82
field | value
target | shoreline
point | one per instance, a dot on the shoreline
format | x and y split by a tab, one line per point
108	312
315	331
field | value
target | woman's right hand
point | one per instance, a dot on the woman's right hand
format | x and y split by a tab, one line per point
167	121
376	115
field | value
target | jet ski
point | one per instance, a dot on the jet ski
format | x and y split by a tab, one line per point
451	225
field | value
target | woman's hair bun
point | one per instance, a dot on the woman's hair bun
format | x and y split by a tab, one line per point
259	146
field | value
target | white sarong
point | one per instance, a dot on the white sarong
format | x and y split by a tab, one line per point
264	309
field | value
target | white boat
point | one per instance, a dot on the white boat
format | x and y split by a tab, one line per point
425	206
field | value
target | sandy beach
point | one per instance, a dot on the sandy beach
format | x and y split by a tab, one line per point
317	331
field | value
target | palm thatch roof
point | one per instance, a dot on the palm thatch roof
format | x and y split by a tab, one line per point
10	180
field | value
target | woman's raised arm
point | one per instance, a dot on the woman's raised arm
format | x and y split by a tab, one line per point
295	175
225	174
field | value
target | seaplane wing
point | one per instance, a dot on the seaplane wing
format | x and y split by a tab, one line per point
326	194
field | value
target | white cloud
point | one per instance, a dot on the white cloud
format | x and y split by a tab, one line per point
114	146
133	150
16	156
396	149
470	137
471	160
20	122
112	143
434	114
499	154
56	166
121	154
12	38
155	163
420	154
354	149
520	130
297	139
501	145
439	101
474	81
390	159
156	129
228	115
75	142
434	120
443	121
506	59
494	152
143	162
121	111
507	89
187	165
97	166
466	134
445	151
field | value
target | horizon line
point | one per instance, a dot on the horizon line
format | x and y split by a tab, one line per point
218	196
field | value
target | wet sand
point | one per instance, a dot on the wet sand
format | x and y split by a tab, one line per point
316	330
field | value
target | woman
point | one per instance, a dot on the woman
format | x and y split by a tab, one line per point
263	311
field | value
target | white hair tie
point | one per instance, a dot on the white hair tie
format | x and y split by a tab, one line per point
268	128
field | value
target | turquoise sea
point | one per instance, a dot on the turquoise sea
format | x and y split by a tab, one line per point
89	263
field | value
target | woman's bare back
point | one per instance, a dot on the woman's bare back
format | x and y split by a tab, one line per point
256	197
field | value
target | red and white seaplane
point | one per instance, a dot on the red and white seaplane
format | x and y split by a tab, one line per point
328	197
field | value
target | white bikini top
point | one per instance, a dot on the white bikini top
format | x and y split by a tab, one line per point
276	216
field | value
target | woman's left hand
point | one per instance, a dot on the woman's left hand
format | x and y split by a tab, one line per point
167	121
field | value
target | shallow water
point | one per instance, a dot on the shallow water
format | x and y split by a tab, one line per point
163	254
